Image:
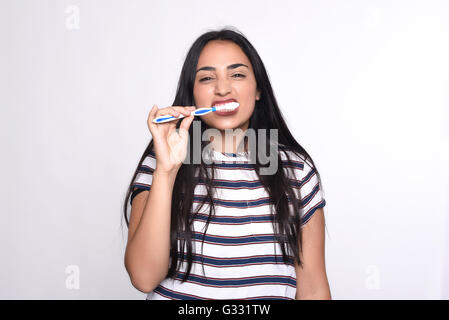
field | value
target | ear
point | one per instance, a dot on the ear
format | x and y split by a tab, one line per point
258	94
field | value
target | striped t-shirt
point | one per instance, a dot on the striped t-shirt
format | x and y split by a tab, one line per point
241	258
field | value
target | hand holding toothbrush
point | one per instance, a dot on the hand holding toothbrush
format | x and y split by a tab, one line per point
170	145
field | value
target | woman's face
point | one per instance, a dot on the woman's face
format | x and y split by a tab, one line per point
225	72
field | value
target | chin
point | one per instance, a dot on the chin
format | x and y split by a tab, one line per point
229	125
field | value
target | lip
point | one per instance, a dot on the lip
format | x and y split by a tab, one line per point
217	102
225	113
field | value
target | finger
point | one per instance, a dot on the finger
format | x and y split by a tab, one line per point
152	113
168	111
186	122
183	108
172	111
187	111
152	126
156	112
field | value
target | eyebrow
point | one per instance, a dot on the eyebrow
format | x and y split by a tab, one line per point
231	66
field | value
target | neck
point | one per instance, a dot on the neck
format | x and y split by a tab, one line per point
231	142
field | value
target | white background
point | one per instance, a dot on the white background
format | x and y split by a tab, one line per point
363	86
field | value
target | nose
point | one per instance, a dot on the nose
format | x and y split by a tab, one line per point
222	86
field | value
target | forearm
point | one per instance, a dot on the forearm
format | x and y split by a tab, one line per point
319	295
317	292
148	252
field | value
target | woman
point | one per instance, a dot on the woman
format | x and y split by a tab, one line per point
200	231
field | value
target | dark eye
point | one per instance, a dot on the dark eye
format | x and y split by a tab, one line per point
204	79
239	74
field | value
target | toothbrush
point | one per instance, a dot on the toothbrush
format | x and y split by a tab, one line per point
198	112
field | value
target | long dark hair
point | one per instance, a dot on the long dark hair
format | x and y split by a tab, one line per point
267	116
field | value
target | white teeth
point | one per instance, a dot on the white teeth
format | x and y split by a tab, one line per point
228	106
222	103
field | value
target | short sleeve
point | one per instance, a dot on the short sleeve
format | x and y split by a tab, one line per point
144	176
306	186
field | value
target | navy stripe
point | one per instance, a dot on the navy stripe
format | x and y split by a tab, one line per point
309	214
309	175
234	220
299	183
141	186
226	184
293	164
174	295
234	240
238	282
310	196
244	164
244	203
239	184
233	203
247	184
145	169
241	261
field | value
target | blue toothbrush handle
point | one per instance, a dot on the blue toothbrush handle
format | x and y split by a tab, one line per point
167	118
197	112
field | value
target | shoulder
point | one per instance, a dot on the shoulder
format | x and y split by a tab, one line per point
144	174
293	160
